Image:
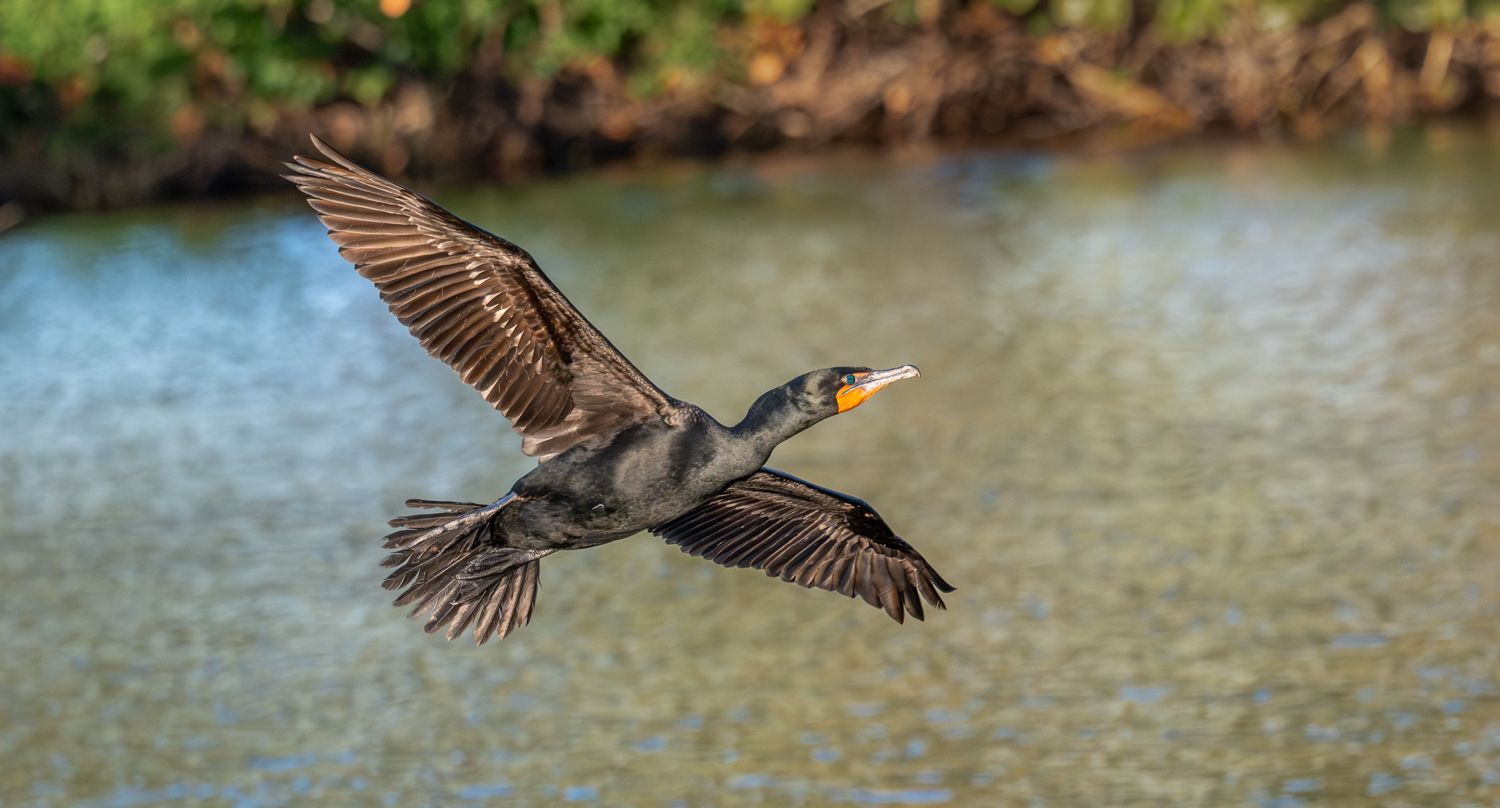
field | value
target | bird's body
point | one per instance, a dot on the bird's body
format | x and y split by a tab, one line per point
620	484
617	455
646	475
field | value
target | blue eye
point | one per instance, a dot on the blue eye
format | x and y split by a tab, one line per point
850	380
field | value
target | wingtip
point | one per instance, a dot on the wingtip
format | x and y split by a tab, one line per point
332	154
300	180
304	170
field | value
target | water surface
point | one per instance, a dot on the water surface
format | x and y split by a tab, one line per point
1206	438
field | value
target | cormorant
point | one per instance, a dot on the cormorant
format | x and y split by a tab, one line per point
616	454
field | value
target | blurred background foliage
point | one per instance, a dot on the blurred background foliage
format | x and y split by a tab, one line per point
111	60
178	66
87	84
108	61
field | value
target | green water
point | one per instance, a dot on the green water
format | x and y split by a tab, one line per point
1206	438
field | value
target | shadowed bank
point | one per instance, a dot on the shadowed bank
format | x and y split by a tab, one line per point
105	104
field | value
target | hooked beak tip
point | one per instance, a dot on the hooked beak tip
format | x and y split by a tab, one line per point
897	374
881	378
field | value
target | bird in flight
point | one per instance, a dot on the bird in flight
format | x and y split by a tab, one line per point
616	455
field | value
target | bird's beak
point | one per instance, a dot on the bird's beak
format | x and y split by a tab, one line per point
866	384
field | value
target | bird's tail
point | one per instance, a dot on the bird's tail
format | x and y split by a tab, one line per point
454	565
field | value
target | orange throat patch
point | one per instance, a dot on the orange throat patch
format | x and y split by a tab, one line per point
851	397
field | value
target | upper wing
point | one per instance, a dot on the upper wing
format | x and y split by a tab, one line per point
480	304
810	536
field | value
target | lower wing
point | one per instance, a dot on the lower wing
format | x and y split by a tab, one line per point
811	536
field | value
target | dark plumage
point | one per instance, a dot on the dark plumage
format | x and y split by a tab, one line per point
616	454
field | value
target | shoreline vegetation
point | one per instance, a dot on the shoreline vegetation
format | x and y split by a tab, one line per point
109	103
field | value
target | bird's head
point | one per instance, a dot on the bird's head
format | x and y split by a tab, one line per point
834	390
812	397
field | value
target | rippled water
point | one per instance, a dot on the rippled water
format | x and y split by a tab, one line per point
1206	438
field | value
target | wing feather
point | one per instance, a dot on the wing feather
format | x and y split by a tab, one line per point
810	536
481	305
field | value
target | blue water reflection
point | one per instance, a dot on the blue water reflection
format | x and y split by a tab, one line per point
1205	437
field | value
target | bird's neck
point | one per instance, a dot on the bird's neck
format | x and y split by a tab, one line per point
772	419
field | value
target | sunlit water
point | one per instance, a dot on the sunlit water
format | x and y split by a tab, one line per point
1207	440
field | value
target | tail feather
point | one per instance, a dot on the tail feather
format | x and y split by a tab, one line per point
442	504
505	583
454	566
520	599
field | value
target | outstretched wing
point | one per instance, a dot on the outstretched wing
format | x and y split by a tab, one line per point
480	304
811	536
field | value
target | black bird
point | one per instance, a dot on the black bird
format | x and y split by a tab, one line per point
616	454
